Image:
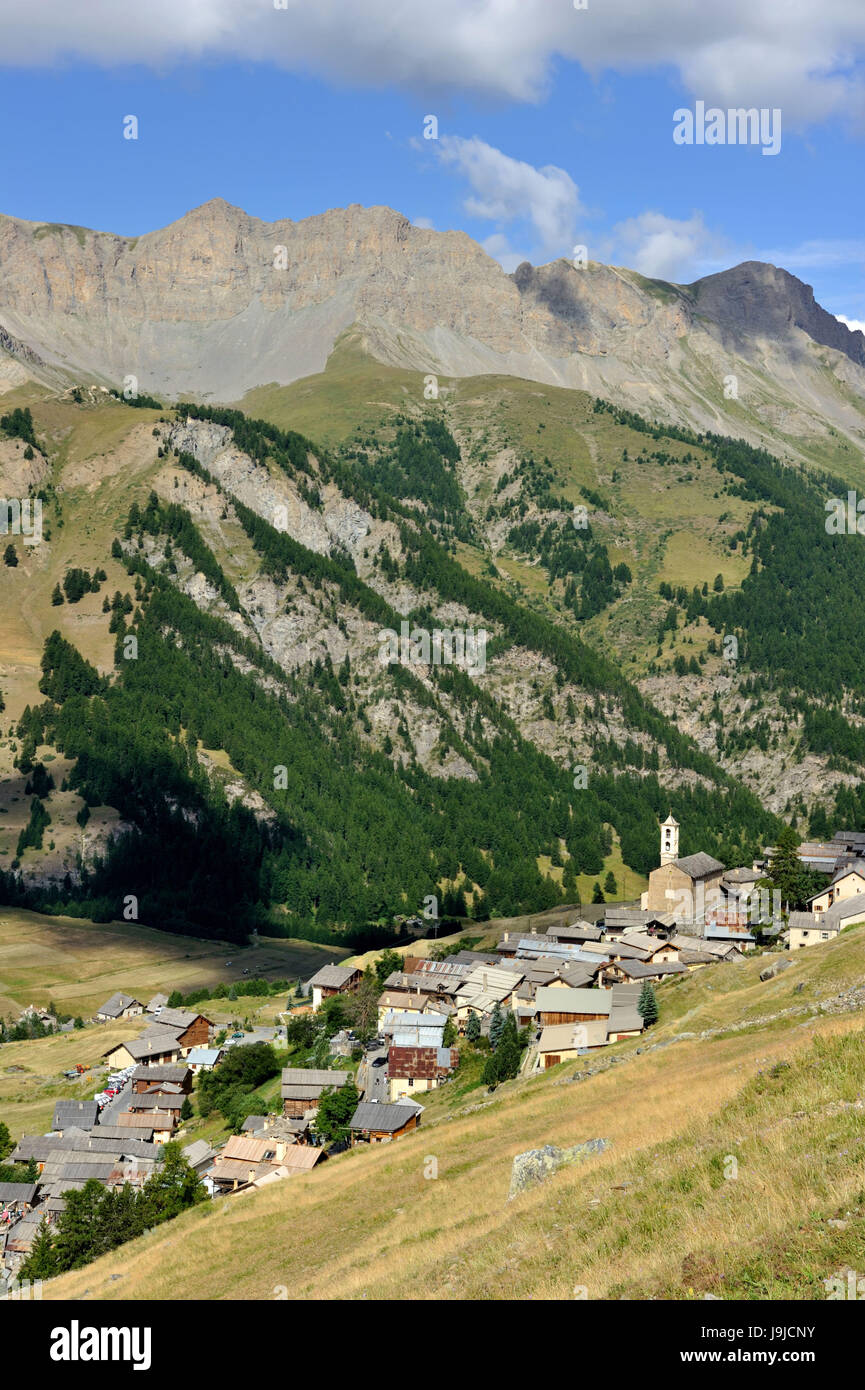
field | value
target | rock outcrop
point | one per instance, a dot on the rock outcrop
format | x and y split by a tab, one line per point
536	1165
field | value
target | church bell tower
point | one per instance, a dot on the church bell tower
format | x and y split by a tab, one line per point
669	840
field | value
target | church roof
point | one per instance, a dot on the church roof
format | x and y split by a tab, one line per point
698	866
670	820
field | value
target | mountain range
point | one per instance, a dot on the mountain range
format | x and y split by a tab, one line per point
260	445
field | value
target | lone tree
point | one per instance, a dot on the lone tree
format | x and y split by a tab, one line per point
497	1024
473	1027
335	1109
610	885
598	894
647	1004
9	557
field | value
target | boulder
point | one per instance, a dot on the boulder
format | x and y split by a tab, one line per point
536	1165
769	973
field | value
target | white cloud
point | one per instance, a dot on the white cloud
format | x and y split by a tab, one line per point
666	248
856	325
425	223
501	250
506	190
800	55
817	254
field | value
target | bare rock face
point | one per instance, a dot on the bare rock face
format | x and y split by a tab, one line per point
220	302
756	300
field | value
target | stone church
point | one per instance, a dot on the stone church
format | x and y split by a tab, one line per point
688	887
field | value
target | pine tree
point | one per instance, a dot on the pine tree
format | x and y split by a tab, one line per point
647	1004
9	556
497	1024
473	1027
41	1263
610	885
598	894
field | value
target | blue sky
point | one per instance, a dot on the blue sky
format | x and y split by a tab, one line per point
536	152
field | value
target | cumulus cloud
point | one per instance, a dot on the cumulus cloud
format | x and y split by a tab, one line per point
506	190
667	248
802	56
856	325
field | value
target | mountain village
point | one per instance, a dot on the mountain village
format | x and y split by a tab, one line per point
571	990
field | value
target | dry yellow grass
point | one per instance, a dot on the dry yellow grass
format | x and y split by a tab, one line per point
78	964
654	1216
31	1073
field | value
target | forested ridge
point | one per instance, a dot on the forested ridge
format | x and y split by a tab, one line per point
352	835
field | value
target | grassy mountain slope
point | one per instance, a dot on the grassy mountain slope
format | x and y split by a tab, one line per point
770	1075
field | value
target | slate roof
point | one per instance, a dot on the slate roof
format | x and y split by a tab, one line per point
802	920
555	1000
173	1072
114	1006
307	1083
625	1018
381	1118
151	1122
486	986
834	917
576	931
198	1153
158	1001
698	866
151	1043
81	1113
647	970
17	1191
333	976
160	1101
181	1019
119	1134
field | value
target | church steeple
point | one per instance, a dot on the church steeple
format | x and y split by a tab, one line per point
669	840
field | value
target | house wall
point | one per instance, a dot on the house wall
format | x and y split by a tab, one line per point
809	936
196	1035
548	1020
296	1109
846	887
672	890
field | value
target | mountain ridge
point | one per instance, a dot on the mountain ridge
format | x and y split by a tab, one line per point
218	303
